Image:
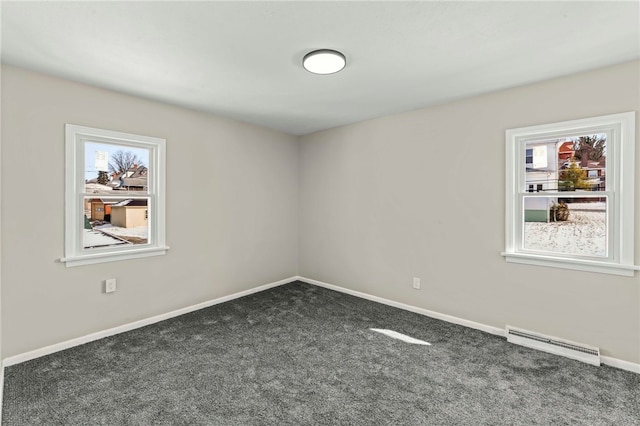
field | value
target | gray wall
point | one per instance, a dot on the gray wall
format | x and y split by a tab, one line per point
421	194
415	194
231	212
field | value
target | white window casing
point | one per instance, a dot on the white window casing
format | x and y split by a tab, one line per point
619	194
76	253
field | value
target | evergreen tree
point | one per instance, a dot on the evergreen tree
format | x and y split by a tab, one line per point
573	178
103	178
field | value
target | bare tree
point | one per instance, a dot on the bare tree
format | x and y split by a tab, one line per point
121	161
593	146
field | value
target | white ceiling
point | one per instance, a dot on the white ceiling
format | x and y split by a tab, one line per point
243	59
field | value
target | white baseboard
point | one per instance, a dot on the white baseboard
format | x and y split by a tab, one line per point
444	317
621	364
612	362
136	324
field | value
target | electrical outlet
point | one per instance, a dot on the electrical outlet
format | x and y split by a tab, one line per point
110	285
416	283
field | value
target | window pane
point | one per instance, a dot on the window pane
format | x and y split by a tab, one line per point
576	225
566	164
111	167
113	222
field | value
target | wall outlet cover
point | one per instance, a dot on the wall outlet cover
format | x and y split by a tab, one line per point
110	285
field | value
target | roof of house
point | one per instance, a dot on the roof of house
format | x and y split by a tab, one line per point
131	203
135	176
92	186
566	147
107	201
137	182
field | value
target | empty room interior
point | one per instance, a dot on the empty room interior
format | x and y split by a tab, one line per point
435	226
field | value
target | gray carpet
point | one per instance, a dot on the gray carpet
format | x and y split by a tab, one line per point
304	355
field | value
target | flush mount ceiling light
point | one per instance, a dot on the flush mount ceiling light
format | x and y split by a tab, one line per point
324	61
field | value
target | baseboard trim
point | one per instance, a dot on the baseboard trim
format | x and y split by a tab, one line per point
37	353
621	364
432	314
27	356
606	360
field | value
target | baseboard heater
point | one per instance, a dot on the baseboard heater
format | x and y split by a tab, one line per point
554	345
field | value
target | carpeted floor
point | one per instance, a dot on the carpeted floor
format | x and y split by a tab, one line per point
304	355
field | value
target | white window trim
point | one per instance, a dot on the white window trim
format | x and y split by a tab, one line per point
75	253
620	183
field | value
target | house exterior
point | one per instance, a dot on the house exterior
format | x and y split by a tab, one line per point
100	209
541	174
596	174
133	179
129	213
97	209
565	151
545	163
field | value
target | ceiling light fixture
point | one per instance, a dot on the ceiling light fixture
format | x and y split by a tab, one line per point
324	61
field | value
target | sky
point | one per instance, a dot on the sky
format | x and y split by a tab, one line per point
90	149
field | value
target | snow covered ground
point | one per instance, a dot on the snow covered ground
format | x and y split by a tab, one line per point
583	234
105	234
93	238
138	231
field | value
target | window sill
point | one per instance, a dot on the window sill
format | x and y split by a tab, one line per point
575	264
89	259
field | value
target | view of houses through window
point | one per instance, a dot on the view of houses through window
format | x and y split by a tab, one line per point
116	202
565	200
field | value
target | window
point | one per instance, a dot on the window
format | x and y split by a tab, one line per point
114	196
581	213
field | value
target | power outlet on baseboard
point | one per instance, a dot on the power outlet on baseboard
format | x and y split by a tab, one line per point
110	285
416	283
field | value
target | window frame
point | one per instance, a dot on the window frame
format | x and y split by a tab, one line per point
75	254
620	192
